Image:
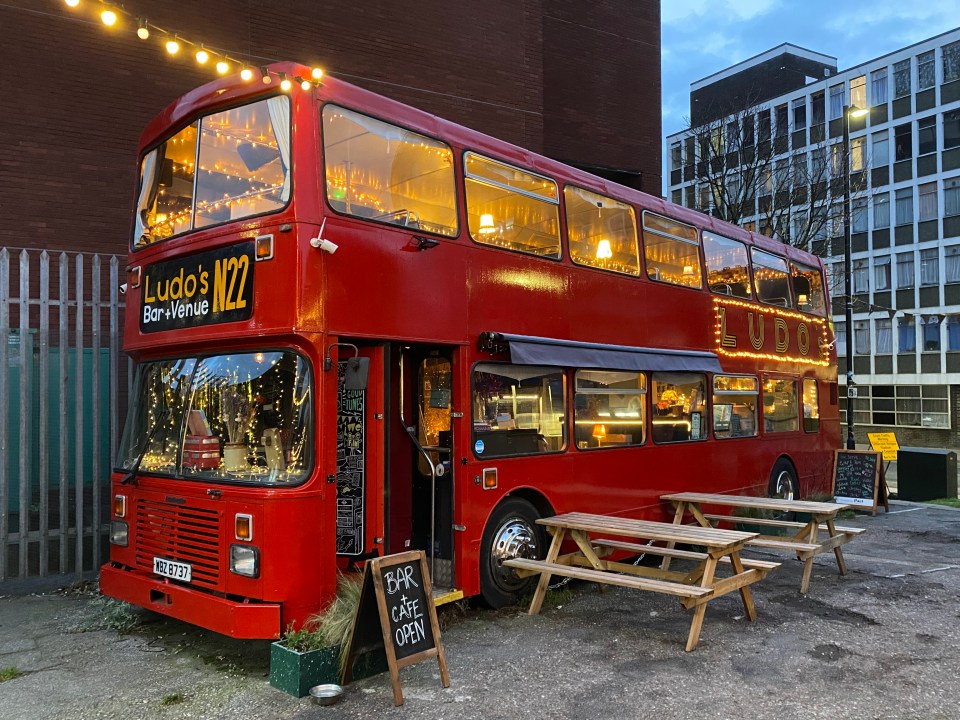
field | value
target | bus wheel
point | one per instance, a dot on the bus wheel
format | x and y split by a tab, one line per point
783	481
511	532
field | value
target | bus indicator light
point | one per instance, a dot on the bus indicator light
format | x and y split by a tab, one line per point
133	277
120	505
264	248
243	527
489	478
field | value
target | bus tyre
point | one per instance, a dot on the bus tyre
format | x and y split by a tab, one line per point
511	532
783	481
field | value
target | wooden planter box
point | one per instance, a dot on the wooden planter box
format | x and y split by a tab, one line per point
296	672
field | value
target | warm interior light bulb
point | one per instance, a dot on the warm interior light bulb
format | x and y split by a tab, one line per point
604	251
285	84
305	84
486	224
316	73
109	18
223	67
246	74
143	32
173	47
202	56
688	270
72	3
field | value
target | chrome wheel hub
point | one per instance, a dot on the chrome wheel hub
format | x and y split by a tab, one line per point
514	539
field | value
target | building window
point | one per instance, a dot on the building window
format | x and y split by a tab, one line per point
690	197
733	136
858	215
953	332
676	196
836	101
906	335
880	154
903	141
905	206
817	108
703	199
857	146
836	160
861	277
906	276
951	197
881	273
901	78
927	135
861	337
904	405
881	210
928	201
763	125
926	72
840	335
951	62
800	176
781	120
878	86
748	131
951	264
799	113
884	336
930	267
931	334
951	129
858	92
676	156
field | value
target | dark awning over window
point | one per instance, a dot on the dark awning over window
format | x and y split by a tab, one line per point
530	350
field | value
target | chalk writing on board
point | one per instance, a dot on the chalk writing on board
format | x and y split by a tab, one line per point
351	470
855	477
407	608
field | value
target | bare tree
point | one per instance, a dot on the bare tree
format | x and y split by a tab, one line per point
746	174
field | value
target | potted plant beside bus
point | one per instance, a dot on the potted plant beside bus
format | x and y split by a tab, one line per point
316	653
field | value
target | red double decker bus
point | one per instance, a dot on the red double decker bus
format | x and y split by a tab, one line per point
360	329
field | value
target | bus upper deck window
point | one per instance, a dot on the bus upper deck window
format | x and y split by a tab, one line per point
808	289
511	208
601	231
671	250
388	174
771	279
728	271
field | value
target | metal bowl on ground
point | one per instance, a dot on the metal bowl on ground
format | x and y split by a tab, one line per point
326	694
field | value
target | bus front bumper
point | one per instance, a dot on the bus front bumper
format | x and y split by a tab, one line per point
244	621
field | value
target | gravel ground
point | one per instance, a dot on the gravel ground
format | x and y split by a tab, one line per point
881	642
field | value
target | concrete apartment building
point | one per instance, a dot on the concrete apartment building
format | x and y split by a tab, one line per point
905	210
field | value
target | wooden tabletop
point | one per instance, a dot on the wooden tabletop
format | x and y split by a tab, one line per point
649	530
805	506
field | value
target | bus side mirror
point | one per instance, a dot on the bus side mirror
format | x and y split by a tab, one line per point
356	372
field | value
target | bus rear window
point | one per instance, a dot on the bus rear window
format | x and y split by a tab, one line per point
512	208
385	173
601	232
230	165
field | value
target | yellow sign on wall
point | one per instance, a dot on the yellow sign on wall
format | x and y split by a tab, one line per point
886	443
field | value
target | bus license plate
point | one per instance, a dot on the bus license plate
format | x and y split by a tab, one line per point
172	569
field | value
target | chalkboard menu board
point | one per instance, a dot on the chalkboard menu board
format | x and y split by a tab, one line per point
856	476
396	612
351	471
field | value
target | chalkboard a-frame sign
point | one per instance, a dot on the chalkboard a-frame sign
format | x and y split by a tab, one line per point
396	612
858	478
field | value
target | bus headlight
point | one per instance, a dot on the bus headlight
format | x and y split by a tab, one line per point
245	560
119	533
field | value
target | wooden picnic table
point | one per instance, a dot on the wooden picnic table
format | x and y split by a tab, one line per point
597	536
805	539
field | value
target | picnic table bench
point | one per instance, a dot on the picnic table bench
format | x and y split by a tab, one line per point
597	536
805	540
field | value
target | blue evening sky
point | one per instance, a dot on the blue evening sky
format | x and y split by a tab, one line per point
701	37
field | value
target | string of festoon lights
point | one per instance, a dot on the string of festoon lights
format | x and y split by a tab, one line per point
116	16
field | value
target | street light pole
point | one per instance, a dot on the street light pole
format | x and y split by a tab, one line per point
848	269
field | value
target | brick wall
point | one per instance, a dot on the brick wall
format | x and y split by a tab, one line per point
577	81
